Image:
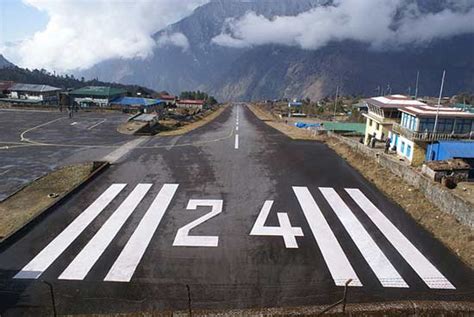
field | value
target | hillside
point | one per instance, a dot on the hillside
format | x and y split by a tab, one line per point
4	62
272	71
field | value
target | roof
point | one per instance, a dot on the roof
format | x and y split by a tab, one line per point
465	107
4	85
459	149
344	127
450	165
295	103
393	101
33	88
430	111
100	91
167	97
191	102
136	101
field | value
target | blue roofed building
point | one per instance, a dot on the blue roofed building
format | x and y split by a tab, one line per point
446	150
137	103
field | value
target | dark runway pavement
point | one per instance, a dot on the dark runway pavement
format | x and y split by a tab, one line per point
240	213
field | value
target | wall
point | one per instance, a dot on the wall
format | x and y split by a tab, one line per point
440	196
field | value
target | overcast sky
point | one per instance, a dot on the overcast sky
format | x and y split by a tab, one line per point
65	35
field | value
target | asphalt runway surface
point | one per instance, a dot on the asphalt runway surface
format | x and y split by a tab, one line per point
63	141
239	213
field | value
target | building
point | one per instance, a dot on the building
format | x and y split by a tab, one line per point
382	113
456	169
169	100
4	86
96	96
412	135
29	93
445	150
146	105
190	104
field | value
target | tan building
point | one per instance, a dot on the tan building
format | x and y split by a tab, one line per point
190	104
382	113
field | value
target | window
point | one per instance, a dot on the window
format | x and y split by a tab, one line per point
408	150
402	147
377	126
370	122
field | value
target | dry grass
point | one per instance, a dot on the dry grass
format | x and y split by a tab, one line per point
194	125
291	131
29	202
455	235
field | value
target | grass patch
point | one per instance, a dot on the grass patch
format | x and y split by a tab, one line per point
29	202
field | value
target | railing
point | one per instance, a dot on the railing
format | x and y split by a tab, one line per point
429	136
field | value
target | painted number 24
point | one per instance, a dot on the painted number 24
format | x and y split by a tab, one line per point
284	230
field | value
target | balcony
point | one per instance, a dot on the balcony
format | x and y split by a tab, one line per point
428	136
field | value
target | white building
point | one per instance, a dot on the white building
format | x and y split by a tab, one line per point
33	93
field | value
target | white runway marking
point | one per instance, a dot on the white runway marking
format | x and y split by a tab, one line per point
428	273
236	145
378	262
84	261
337	262
4	172
95	125
123	150
127	262
183	238
74	123
237	128
55	248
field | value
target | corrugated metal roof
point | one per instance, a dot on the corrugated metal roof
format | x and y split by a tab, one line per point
100	91
461	149
343	127
33	88
136	101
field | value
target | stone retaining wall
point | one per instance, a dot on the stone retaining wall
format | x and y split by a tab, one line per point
440	196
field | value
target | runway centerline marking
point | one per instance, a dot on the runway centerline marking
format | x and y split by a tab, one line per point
125	265
378	262
428	273
55	248
336	260
85	260
236	145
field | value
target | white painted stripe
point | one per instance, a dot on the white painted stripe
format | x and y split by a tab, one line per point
55	248
95	125
85	260
338	264
123	150
428	273
127	262
237	128
74	123
236	145
383	269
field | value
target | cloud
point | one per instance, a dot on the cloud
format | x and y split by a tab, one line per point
81	33
382	24
173	39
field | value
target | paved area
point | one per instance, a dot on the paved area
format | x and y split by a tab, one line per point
237	212
33	143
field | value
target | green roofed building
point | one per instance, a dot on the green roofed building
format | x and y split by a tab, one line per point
345	127
99	96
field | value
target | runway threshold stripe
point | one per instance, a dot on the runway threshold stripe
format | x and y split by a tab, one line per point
55	248
127	262
85	260
337	262
378	262
428	273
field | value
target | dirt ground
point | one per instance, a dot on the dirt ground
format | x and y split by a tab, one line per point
194	125
291	131
29	202
456	236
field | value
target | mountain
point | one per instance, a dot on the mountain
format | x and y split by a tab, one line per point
4	62
275	71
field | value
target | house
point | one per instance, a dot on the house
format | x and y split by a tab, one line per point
416	130
146	105
456	169
169	100
96	96
382	113
29	93
190	104
4	86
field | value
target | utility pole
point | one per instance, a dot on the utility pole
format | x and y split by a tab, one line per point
335	102
439	102
416	88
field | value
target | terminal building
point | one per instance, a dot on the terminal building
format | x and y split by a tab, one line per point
95	96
